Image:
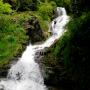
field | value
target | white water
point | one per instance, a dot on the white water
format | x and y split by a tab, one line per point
25	74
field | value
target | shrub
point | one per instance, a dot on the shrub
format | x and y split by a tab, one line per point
26	5
12	36
5	7
46	10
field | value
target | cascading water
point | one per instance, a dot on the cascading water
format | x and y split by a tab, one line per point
25	74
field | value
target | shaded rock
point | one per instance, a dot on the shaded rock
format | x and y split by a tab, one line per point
3	71
54	73
34	30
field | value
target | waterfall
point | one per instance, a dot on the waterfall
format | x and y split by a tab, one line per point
25	74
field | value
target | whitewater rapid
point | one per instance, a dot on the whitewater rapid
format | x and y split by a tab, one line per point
25	74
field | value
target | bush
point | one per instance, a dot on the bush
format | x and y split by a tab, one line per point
5	8
73	50
26	5
12	36
46	10
64	3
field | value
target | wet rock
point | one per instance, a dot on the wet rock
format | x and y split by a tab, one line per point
4	71
2	87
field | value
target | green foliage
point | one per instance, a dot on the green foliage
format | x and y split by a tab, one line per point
63	3
62	48
23	5
12	36
68	60
46	10
5	7
43	23
26	5
73	50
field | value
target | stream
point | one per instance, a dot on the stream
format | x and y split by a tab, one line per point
25	73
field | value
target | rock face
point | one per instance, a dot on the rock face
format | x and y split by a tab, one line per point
55	75
34	30
1	87
3	71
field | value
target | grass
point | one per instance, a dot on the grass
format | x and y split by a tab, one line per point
13	33
12	36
